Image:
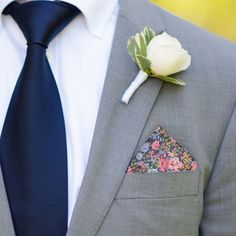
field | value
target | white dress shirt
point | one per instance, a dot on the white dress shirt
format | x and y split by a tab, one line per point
79	58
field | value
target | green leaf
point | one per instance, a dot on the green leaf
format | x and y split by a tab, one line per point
149	34
137	48
143	63
170	80
143	46
132	48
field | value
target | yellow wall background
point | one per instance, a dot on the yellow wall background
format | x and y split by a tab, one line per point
218	16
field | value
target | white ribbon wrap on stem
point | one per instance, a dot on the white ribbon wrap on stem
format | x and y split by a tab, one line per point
140	78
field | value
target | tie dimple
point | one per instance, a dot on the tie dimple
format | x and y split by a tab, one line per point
41	21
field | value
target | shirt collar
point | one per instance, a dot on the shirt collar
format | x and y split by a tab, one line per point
3	4
96	12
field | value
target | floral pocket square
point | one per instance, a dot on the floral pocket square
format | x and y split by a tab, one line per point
161	153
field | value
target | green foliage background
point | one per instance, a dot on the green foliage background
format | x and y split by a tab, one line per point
218	16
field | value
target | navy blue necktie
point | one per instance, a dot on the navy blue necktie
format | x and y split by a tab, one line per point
33	152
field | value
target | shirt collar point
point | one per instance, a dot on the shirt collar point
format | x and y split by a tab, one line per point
96	15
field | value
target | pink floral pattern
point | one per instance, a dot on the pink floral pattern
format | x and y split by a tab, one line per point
161	153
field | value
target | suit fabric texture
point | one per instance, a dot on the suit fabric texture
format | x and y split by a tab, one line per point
201	116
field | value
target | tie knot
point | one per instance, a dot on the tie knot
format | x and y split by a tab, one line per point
41	21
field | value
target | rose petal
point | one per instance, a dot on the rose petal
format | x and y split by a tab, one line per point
167	60
161	40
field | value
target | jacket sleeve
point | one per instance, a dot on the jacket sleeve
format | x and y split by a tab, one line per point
219	214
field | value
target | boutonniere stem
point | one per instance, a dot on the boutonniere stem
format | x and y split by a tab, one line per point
157	56
137	82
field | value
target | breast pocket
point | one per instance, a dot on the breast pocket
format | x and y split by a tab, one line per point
159	185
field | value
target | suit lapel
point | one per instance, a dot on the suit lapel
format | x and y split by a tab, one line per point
118	126
6	225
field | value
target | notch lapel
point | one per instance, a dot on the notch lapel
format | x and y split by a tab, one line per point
118	126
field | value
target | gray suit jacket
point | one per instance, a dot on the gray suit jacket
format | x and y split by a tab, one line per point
201	116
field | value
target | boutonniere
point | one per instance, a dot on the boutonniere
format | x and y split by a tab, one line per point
157	56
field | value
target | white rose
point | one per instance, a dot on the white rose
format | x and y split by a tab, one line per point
167	55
